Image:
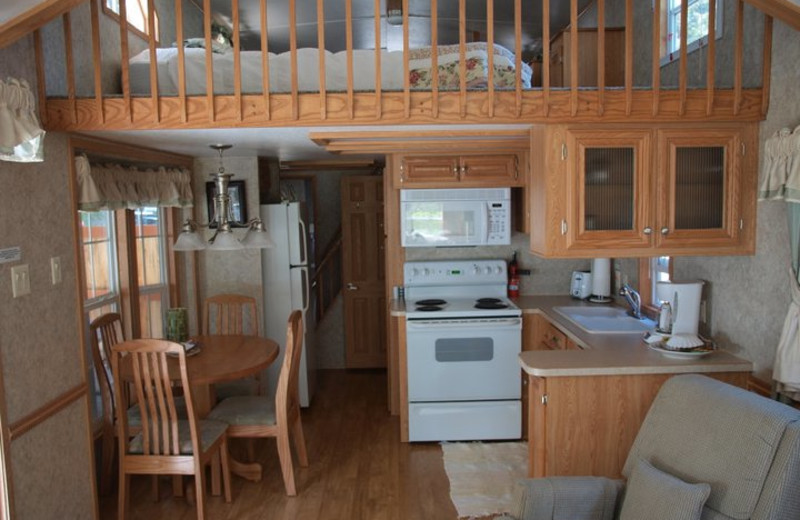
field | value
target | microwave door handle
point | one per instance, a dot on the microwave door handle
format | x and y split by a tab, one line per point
487	225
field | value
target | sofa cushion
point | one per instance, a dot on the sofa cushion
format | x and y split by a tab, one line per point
702	430
566	498
652	493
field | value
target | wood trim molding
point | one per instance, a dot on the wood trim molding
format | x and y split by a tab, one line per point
43	413
784	10
33	19
128	152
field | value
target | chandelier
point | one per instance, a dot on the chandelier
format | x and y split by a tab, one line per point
190	238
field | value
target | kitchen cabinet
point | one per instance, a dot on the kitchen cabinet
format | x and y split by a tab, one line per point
637	191
585	425
432	171
561	55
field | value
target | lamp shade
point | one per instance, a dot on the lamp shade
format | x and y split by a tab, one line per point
225	241
189	241
257	237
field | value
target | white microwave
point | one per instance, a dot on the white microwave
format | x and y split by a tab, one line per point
455	217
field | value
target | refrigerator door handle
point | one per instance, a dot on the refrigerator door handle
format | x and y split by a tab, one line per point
303	241
306	288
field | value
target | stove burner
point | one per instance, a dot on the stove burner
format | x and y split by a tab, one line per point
489	300
491	305
432	301
428	308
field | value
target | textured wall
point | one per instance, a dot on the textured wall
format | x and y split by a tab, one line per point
40	347
749	296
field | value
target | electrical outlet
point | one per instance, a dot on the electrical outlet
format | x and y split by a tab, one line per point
55	270
703	317
20	280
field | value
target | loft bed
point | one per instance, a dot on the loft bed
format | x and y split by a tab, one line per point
161	88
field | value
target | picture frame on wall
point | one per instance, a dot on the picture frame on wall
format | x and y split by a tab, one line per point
236	191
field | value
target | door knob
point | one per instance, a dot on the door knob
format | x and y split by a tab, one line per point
664	230
647	230
352	287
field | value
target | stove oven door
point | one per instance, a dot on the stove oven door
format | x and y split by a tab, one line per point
463	360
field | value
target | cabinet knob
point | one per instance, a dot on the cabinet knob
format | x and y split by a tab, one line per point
664	230
352	287
648	230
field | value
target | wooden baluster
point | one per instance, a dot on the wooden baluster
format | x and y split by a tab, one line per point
434	58
293	57
406	70
573	58
601	56
462	53
209	61
518	57
546	57
737	58
237	59
181	59
40	74
348	7
682	70
69	59
656	87
265	59
97	59
710	60
378	71
767	65
490	51
151	44
628	57
124	56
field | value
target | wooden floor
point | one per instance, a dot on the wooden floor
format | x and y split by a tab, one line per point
358	467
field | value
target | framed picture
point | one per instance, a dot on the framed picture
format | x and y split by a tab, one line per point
238	217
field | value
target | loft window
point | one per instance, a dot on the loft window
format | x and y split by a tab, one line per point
696	30
136	11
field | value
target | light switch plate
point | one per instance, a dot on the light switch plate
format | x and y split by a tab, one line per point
20	280
55	269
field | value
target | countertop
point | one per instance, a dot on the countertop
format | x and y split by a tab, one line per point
602	354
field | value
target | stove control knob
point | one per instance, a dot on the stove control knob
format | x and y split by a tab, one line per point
415	272
476	270
488	270
498	270
426	272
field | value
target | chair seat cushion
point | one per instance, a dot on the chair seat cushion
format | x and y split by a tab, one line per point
208	430
135	414
245	411
652	493
566	498
236	388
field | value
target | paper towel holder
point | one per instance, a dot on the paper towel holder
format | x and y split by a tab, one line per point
601	281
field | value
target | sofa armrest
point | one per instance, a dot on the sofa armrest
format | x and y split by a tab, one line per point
566	498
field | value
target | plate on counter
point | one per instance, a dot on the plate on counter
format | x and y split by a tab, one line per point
681	354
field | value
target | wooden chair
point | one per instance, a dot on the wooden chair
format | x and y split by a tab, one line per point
165	444
260	416
232	314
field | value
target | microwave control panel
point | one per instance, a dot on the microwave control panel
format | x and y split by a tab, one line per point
499	223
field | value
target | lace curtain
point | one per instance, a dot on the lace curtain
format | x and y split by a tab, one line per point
113	186
781	181
21	137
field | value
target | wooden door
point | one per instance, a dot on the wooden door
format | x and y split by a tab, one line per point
699	188
608	189
363	272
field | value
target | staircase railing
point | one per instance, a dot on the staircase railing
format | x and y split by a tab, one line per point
327	282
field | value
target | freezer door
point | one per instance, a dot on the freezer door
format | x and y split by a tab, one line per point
298	233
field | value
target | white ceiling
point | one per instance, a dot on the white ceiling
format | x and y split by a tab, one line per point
286	144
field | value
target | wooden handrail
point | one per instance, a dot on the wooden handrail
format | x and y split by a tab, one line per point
327	279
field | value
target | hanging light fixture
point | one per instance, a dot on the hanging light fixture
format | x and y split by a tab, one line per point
190	238
394	12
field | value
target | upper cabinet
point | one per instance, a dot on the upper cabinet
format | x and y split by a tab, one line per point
432	171
630	192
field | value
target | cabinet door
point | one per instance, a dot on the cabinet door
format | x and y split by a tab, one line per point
608	189
490	169
425	170
699	188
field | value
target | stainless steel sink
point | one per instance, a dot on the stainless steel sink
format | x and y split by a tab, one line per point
605	320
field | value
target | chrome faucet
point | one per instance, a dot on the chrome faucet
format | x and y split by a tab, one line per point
633	299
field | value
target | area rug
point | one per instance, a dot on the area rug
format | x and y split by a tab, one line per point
482	475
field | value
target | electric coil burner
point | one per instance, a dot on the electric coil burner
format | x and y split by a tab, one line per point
463	338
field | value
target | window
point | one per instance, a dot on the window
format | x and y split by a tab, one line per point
652	271
696	31
136	12
151	257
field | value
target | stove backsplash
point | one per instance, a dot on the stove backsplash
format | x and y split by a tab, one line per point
548	276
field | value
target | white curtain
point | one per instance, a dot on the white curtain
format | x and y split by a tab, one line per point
781	181
114	186
21	137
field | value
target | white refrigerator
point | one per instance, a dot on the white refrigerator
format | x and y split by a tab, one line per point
287	286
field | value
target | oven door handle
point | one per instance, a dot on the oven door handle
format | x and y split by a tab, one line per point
507	323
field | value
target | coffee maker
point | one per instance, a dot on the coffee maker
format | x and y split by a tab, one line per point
684	300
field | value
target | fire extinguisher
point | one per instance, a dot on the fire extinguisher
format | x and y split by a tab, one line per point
513	277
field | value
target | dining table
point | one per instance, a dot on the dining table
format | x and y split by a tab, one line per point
217	359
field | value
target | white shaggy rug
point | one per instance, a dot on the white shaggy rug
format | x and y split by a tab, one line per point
482	475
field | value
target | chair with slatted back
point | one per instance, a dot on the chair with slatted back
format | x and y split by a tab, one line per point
165	444
232	314
261	416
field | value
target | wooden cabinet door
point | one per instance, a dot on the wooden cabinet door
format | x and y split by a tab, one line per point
490	169
416	171
699	188
363	272
608	189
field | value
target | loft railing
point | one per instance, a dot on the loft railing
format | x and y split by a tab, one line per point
68	107
327	282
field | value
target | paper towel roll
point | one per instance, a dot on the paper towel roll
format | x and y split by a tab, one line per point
601	277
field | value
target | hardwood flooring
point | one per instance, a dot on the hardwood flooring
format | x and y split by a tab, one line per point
358	468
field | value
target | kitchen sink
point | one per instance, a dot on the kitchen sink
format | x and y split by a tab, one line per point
605	320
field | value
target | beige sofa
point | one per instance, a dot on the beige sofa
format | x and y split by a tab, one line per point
705	450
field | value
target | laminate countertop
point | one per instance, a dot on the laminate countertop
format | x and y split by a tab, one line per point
609	354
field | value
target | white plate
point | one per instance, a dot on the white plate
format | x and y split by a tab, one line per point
677	354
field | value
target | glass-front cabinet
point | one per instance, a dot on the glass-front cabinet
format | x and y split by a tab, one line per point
607	185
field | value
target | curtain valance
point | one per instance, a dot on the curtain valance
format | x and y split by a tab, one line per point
114	186
21	137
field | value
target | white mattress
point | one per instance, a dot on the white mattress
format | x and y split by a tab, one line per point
279	71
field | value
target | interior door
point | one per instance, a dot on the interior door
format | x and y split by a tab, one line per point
363	272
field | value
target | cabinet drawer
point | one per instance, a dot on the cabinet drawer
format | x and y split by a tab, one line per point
552	338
